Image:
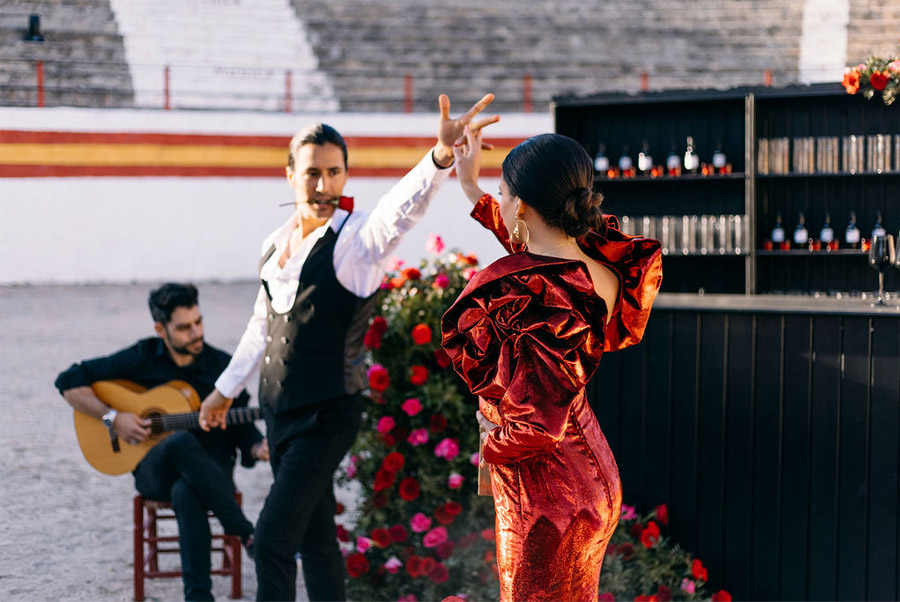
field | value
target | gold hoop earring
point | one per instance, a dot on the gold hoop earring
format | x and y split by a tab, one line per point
517	234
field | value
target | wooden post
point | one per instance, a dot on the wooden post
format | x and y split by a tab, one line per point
288	92
645	81
167	104
407	93
527	101
39	73
767	78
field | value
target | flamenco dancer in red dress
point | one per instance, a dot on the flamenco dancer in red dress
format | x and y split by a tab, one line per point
526	335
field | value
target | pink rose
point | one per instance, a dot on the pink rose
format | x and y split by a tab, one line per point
455	480
393	564
385	425
469	273
688	586
894	65
412	406
447	449
419	523
418	437
408	598
394	264
363	544
475	458
441	281
435	537
628	512
435	244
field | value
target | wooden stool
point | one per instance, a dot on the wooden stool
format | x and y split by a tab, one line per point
146	565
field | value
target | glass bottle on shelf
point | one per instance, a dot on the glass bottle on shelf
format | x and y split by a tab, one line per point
645	160
778	233
691	160
673	162
601	161
801	234
718	159
626	166
878	228
826	234
851	236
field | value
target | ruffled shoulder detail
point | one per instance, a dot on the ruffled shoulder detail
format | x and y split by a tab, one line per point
638	263
525	299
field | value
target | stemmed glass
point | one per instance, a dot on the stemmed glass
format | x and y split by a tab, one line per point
881	256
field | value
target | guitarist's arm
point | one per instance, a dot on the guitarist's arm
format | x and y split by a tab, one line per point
129	427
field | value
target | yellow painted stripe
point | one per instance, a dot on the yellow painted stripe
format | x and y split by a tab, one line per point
203	155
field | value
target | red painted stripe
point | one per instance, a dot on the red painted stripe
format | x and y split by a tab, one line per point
46	137
69	171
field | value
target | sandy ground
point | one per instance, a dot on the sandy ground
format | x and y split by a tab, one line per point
65	529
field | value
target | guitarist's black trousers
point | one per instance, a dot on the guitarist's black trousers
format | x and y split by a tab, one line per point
178	470
306	447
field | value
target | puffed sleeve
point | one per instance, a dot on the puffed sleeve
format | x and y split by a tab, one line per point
524	342
487	213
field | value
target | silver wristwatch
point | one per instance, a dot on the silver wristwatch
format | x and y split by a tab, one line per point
109	421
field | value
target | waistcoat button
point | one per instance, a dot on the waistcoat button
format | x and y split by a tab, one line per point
268	360
268	338
284	340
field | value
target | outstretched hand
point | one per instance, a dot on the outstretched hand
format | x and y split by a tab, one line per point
451	131
467	154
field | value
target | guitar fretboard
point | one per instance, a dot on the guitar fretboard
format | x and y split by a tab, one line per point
186	421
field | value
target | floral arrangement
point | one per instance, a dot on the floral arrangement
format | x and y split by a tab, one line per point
642	564
875	75
420	532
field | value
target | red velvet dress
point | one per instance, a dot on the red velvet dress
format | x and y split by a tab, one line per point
526	335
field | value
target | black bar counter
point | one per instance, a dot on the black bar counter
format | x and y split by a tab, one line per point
770	425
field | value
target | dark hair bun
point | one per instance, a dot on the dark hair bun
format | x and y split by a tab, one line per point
581	212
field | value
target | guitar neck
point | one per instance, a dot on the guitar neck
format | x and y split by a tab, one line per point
187	421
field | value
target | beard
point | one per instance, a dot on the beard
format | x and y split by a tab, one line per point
193	348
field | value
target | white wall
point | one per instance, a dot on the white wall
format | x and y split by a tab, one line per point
147	229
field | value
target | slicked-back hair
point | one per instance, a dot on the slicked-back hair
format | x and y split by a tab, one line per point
315	133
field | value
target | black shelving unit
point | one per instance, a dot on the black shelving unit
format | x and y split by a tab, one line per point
737	120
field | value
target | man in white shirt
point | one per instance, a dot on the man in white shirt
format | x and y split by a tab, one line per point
320	272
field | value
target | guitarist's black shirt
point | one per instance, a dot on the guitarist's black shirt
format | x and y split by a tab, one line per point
148	364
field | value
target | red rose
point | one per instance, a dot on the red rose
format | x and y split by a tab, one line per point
607	597
441	358
412	274
372	340
879	80
419	375
380	537
698	570
379	379
427	565
453	508
409	489
398	533
439	573
664	594
389	440
650	535
626	550
642	598
397	281
414	566
488	535
338	508
357	565
342	534
380	499
384	479
488	556
662	514
393	462
437	423
445	549
721	596
442	516
421	334
636	529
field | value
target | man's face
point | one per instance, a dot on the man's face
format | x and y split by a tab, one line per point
319	174
183	334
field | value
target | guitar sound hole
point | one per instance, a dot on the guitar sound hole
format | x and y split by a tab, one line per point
156	424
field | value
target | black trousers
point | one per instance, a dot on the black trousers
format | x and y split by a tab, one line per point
178	470
306	447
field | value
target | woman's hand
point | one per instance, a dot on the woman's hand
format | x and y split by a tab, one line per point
467	154
213	410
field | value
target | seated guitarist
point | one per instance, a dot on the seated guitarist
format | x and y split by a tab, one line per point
190	469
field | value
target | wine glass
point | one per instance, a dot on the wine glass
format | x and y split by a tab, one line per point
881	256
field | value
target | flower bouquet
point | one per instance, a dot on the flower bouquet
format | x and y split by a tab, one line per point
876	75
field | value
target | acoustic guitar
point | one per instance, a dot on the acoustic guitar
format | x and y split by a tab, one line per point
173	406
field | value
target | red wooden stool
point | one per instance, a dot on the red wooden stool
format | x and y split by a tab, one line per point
146	565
